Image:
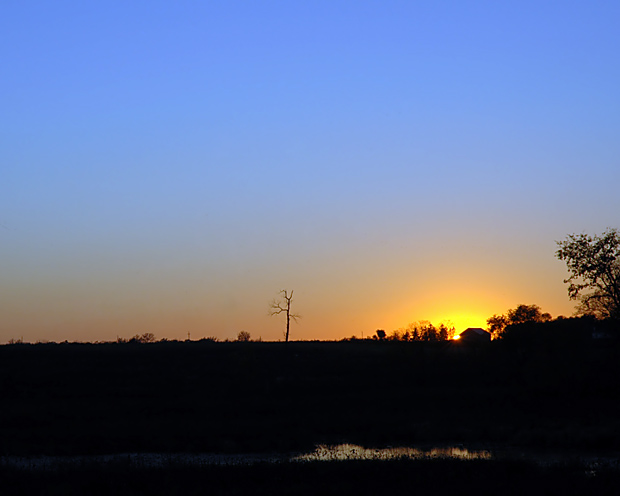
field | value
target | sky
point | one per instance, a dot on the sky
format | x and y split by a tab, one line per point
169	167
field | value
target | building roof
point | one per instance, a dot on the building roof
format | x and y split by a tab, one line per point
475	333
478	330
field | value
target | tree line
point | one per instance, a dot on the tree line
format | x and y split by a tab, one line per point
593	263
422	330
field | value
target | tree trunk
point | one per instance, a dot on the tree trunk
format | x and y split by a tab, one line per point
288	317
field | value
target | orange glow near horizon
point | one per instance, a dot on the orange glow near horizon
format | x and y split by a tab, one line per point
59	307
460	321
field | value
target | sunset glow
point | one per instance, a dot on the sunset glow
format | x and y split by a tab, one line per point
170	169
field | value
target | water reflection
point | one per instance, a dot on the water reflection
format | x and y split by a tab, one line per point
321	453
354	452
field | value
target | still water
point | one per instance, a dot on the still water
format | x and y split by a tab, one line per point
354	452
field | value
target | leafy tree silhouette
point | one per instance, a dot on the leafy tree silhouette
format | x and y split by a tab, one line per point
497	324
594	266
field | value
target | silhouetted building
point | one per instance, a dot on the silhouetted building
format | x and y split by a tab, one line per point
475	335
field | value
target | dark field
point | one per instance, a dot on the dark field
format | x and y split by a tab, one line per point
479	478
540	393
61	399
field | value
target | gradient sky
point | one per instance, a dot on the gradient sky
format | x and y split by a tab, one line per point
168	167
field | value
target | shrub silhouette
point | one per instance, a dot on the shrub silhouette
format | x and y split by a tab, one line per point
147	337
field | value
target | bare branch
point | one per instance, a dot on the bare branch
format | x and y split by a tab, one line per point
284	306
275	308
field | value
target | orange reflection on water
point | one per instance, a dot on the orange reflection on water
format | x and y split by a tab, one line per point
354	452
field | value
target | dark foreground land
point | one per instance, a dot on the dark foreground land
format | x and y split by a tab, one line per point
479	478
554	392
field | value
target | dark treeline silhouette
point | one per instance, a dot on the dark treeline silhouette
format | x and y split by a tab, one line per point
417	331
147	337
497	324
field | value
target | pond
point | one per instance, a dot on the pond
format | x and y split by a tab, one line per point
354	452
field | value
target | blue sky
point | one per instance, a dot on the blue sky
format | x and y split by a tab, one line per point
168	167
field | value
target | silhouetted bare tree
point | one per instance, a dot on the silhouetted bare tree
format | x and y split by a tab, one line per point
594	265
283	305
